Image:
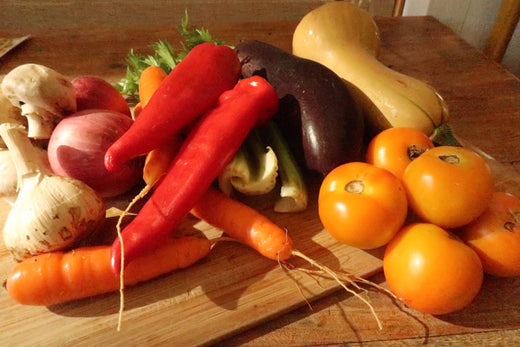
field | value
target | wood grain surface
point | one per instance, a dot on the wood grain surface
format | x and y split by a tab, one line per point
484	102
231	290
236	297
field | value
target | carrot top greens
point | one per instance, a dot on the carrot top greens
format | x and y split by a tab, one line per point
163	55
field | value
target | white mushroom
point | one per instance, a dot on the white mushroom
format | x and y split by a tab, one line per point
8	177
43	95
9	183
9	114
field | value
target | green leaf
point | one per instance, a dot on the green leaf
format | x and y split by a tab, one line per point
163	56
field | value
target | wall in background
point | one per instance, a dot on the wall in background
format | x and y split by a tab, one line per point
472	20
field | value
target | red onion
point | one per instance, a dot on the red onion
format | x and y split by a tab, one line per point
77	148
95	92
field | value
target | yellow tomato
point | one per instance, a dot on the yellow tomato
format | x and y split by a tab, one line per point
362	205
448	186
431	270
394	148
495	236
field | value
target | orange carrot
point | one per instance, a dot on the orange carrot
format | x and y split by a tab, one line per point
251	227
137	109
58	277
158	160
245	224
149	81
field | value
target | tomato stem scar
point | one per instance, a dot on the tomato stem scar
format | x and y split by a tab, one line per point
355	187
450	158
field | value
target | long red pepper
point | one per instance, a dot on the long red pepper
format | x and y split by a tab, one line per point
209	147
189	90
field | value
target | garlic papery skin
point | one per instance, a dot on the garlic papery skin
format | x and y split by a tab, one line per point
51	212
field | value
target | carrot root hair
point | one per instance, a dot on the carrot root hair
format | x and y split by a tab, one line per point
138	197
342	278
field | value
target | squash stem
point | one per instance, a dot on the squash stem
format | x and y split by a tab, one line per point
443	136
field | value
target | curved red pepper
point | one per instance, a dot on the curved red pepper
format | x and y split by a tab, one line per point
191	88
209	147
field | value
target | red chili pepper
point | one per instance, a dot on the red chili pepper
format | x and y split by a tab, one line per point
189	90
209	147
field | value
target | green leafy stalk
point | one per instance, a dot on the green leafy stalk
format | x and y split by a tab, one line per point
163	55
194	37
255	167
262	158
293	192
253	170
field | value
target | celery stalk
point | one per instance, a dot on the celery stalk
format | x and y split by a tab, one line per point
253	170
293	192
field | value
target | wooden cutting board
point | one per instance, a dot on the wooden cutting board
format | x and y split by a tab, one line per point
232	289
235	288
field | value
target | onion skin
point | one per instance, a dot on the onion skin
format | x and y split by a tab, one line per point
77	148
94	92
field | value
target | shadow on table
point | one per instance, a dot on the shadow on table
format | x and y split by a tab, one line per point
501	297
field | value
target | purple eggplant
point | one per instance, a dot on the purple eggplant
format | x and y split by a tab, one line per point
318	115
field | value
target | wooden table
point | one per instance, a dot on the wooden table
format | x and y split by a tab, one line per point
484	100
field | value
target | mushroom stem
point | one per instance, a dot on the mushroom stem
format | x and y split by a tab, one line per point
44	96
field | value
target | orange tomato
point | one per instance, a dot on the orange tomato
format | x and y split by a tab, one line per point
495	236
448	186
394	148
361	205
431	270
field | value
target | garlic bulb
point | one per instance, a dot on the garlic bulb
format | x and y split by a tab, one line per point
51	212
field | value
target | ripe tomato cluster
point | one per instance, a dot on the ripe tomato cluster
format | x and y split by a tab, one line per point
436	211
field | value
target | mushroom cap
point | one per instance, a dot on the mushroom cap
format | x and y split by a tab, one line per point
41	87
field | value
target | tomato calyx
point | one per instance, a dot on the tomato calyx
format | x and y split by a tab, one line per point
413	152
355	187
450	158
510	225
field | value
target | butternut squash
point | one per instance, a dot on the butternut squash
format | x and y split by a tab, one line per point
345	38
